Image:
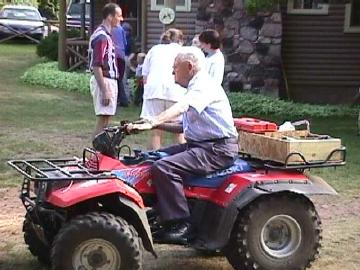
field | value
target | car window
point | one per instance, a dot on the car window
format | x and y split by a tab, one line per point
75	10
20	14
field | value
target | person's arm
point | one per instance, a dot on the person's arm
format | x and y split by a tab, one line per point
216	70
146	66
171	113
98	74
174	111
99	50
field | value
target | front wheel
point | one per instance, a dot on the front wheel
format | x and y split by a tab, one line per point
275	233
97	241
37	246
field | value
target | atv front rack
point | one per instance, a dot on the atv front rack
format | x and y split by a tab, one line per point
67	169
39	173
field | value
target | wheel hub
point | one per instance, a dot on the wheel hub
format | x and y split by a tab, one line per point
98	254
281	236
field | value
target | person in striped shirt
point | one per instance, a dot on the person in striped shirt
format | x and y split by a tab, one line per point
102	64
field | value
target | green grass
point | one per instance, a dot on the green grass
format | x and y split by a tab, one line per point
42	122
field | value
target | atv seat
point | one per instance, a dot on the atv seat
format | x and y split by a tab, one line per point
215	179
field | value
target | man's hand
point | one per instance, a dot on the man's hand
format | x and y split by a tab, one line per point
143	124
105	97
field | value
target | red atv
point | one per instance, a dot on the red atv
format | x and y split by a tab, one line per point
96	212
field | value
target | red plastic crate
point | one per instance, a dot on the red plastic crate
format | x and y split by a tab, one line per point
254	125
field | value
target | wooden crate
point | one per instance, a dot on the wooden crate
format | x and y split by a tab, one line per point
276	146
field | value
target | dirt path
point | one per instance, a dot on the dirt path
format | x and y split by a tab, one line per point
341	245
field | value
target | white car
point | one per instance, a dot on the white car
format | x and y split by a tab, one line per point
23	19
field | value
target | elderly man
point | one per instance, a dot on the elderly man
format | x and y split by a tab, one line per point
211	144
103	83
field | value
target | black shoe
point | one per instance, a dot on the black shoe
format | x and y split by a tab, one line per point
179	233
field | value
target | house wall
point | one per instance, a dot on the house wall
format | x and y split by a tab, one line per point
184	21
322	63
251	45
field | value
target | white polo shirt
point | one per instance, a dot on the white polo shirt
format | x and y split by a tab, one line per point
215	66
158	69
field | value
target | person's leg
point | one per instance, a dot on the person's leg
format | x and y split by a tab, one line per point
179	138
102	121
150	109
122	99
155	139
104	113
169	173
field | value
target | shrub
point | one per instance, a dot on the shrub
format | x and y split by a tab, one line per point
47	74
253	6
259	105
48	47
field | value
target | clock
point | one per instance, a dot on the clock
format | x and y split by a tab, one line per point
166	15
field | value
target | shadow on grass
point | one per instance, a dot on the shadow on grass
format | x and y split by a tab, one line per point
170	257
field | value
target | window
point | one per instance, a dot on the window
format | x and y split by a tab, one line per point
181	5
308	7
352	17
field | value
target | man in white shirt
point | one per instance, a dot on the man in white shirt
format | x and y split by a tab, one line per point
211	144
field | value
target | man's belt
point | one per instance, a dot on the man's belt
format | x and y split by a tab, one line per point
216	140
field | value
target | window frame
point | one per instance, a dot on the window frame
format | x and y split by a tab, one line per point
186	8
307	11
348	28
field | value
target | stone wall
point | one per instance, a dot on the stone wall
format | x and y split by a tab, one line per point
251	44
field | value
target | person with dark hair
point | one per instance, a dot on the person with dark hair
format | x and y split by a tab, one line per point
102	63
160	89
210	42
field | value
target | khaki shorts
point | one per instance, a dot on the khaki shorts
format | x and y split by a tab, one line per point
95	92
153	107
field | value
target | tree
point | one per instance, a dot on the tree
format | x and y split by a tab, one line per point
49	8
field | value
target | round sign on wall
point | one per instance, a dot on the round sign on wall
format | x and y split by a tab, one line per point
166	15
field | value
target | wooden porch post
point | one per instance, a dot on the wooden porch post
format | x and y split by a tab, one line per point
62	36
83	23
143	25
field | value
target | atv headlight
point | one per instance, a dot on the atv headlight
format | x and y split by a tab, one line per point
102	143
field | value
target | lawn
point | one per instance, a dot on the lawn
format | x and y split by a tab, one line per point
41	122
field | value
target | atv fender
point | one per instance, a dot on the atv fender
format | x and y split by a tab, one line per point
215	223
140	222
315	186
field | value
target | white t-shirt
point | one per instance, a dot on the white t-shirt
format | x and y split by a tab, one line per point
215	66
158	69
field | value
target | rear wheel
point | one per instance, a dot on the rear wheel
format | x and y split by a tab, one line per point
275	233
38	247
97	241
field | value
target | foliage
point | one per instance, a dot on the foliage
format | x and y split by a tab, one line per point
17	2
49	8
47	74
48	47
259	105
252	6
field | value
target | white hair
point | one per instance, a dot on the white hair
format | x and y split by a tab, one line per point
194	55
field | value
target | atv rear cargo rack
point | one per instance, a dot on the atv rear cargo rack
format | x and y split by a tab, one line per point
304	165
